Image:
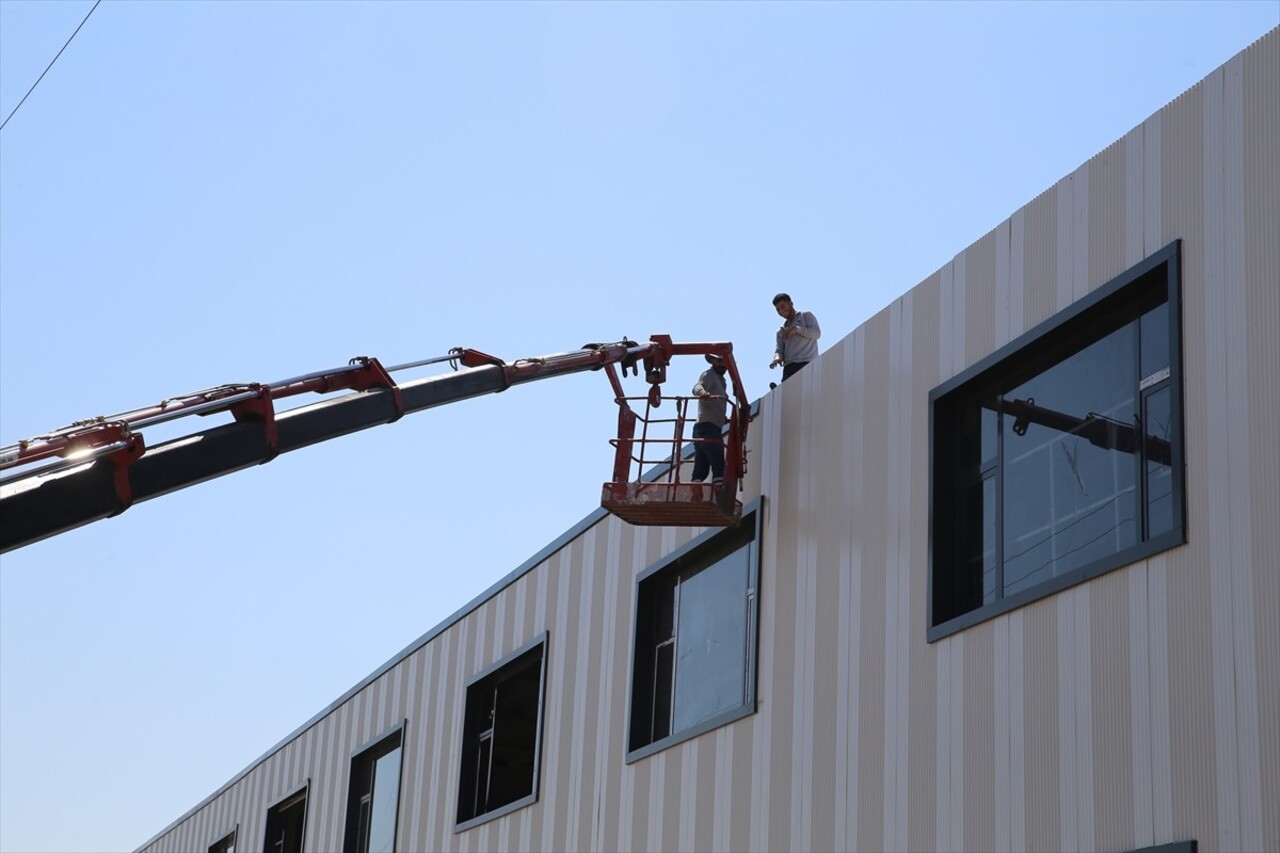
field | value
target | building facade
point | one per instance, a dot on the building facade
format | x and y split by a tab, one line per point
1007	577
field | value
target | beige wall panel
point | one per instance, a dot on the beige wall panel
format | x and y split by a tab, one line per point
1040	653
1111	711
980	299
1107	215
1137	709
1040	259
1262	270
1191	687
978	797
817	807
921	713
872	618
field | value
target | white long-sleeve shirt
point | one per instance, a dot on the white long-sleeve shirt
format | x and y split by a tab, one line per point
803	345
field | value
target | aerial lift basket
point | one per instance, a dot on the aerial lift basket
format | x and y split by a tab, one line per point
663	444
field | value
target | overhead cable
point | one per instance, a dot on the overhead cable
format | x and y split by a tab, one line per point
46	70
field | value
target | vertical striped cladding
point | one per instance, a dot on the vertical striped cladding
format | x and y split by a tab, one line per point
1134	710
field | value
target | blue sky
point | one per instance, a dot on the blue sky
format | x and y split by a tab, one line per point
200	193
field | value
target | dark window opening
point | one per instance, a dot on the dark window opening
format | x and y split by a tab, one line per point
694	657
286	823
373	798
1060	457
501	735
225	844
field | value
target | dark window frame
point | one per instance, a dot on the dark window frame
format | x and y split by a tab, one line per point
1051	343
227	838
303	791
541	641
361	758
702	551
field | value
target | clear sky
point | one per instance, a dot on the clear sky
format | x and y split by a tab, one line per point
200	193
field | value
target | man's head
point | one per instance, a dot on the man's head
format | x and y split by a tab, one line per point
716	362
782	304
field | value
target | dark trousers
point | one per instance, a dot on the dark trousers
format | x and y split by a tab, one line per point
708	453
789	370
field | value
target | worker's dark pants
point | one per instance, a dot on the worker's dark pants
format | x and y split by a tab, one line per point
788	370
708	453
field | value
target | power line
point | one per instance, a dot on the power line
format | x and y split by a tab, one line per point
46	70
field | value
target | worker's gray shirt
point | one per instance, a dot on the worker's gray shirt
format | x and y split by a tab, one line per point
803	345
711	411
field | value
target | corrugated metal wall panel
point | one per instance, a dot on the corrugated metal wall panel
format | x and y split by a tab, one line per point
1133	710
1261	262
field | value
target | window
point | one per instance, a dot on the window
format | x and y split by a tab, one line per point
225	844
1060	456
693	665
286	824
501	737
373	798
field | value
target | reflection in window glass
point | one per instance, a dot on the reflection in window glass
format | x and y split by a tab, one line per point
1059	458
693	664
1070	473
386	791
373	796
1159	482
711	641
501	733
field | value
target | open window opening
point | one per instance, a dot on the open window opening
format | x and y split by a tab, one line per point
1060	457
502	731
373	797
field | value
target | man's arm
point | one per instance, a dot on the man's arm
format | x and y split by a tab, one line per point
807	326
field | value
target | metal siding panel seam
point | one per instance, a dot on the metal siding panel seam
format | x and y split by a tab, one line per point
1262	272
1238	447
1140	728
903	438
942	779
1017	735
1161	759
761	724
1067	754
1002	307
959	315
892	608
688	804
1153	236
1087	835
438	819
554	769
1065	255
607	725
1017	274
848	673
411	799
1000	706
803	628
1218	402
1080	233
956	743
579	722
1134	197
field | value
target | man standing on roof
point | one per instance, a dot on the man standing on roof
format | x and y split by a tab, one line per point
708	446
797	339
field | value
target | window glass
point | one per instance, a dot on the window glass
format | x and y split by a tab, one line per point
1060	457
386	791
711	641
1155	343
501	727
1159	472
1070	464
693	664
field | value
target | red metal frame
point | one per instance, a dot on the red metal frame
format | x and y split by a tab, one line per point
667	501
